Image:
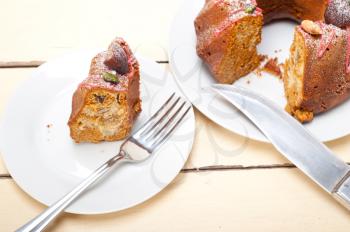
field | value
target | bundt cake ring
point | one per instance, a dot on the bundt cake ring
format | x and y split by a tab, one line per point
317	73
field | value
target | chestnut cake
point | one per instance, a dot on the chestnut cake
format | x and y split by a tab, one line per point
106	103
227	35
228	31
316	75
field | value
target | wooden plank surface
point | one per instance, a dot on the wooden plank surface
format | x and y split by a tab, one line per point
255	200
10	79
42	29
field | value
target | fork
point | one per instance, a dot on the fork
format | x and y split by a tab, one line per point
138	147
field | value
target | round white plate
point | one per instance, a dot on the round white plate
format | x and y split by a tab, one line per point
193	78
46	163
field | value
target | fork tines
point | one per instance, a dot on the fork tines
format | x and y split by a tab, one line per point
161	125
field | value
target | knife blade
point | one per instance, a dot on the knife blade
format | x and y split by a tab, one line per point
292	140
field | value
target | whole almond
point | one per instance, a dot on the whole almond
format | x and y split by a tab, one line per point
311	27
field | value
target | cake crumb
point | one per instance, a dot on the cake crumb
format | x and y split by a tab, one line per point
273	67
262	58
277	51
270	66
258	72
49	125
248	82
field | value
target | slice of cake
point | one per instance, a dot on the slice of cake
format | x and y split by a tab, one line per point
107	102
227	35
317	74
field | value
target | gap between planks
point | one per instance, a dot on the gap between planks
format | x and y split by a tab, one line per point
5	176
214	168
219	168
37	63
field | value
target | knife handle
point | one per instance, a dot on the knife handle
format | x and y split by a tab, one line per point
342	192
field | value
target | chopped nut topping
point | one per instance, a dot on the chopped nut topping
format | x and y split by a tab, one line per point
249	9
311	27
110	77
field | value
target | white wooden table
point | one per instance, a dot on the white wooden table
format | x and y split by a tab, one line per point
228	184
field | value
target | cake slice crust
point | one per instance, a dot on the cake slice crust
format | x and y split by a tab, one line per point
227	35
104	110
315	76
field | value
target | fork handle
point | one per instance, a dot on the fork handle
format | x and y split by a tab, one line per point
42	220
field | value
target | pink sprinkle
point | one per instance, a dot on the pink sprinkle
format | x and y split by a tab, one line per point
325	40
258	10
237	11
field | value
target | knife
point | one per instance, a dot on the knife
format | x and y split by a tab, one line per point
293	141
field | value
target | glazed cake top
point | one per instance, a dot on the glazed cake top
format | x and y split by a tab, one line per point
98	69
338	13
218	11
217	15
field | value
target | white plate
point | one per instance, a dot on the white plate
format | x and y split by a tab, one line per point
194	78
46	163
